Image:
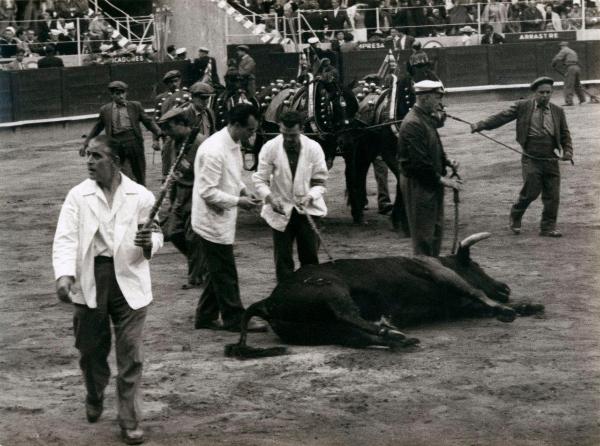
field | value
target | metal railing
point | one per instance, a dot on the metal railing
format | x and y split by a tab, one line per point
504	18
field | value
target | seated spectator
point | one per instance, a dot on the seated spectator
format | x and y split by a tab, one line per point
68	43
490	37
31	41
43	26
8	43
399	40
18	63
377	36
468	35
50	60
171	53
437	23
515	12
592	19
573	17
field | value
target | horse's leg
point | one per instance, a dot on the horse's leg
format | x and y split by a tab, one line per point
356	202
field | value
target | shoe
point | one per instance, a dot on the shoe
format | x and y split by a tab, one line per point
514	226
93	411
132	436
208	325
386	209
253	327
190	286
553	233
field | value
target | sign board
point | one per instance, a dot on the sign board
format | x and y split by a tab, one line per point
374	45
540	35
128	59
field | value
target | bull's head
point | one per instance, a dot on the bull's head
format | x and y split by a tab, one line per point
470	270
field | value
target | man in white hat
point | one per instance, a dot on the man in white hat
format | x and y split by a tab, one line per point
205	67
423	167
467	35
181	53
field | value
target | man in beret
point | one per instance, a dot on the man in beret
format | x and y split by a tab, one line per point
423	168
121	120
247	70
572	71
542	132
180	126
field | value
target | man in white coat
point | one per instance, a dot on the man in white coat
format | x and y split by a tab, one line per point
291	179
99	244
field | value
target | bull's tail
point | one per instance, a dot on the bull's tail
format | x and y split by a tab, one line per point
241	350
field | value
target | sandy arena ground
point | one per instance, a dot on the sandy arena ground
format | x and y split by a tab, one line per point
535	381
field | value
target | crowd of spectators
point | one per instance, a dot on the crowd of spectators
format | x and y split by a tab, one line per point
417	18
31	28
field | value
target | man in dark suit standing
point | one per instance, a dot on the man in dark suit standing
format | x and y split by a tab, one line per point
399	40
337	19
205	68
543	133
247	70
121	120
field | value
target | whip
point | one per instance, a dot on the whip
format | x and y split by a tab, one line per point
537	158
167	184
313	226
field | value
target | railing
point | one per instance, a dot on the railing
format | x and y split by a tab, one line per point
436	20
84	40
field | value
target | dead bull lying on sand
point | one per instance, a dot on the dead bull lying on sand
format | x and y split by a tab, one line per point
337	303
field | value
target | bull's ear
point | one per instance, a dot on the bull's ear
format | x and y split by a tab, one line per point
463	255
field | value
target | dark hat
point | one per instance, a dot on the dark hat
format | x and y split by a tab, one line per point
243	48
170	114
171	75
541	81
201	88
118	85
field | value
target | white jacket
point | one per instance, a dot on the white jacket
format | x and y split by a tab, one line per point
73	253
274	175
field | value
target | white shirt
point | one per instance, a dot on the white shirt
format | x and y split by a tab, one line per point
274	176
217	187
78	224
104	239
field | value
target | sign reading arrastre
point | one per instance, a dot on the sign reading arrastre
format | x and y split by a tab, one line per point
542	35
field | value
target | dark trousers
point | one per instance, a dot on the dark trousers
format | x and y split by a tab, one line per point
380	169
134	164
425	213
93	339
307	244
573	84
539	177
178	230
221	294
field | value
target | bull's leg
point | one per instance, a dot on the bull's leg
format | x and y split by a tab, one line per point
454	284
358	332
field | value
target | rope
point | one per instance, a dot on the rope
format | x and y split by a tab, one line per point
537	158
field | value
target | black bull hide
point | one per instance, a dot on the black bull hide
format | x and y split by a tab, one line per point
364	302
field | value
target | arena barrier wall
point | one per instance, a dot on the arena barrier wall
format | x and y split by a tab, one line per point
31	95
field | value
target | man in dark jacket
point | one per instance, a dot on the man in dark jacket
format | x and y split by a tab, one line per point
121	120
423	168
542	131
50	60
205	68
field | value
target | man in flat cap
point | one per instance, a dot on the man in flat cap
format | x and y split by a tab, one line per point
199	111
568	58
205	67
121	119
542	132
180	126
172	97
423	167
247	70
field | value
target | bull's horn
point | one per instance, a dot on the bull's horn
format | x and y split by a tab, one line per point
472	239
